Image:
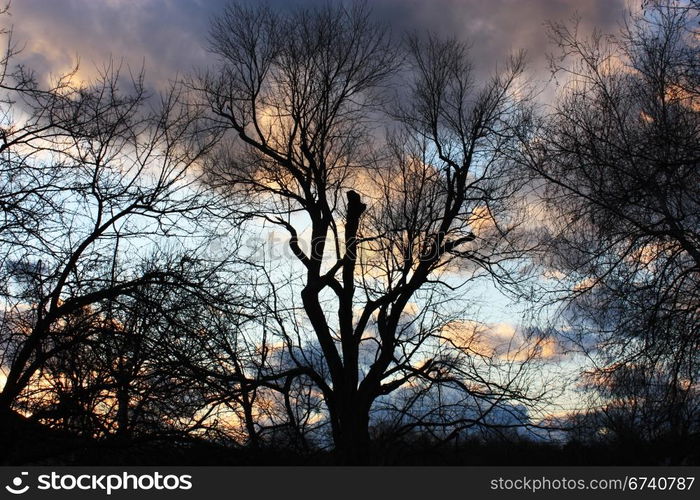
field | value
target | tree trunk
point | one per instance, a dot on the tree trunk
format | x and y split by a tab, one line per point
123	400
8	395
352	443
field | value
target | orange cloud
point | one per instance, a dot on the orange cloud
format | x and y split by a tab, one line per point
504	341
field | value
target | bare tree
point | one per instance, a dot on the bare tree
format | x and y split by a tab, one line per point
93	176
395	227
25	193
119	378
618	159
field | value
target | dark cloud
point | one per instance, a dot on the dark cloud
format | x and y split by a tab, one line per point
498	27
165	36
168	36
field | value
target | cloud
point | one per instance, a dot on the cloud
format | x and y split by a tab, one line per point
166	37
500	27
501	340
169	36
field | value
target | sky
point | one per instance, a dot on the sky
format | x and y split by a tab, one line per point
168	37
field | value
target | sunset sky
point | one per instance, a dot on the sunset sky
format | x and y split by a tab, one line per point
169	36
350	232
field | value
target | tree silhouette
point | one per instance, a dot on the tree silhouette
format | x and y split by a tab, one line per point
618	161
90	173
301	96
